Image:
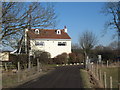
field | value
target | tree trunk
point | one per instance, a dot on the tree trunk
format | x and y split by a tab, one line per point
85	56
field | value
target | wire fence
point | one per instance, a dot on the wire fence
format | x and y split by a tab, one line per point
14	77
107	75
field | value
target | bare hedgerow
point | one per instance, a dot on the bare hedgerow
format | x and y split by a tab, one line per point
61	59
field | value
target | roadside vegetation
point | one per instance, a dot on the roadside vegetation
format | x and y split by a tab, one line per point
111	71
85	79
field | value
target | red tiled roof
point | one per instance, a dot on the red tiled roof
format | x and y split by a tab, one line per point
48	34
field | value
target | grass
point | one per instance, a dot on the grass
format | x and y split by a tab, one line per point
10	79
85	78
52	65
111	71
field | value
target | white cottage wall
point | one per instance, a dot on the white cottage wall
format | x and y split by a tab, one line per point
51	46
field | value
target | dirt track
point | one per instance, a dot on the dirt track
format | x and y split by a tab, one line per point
61	77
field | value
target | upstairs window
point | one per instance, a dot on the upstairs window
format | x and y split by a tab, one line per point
62	43
58	31
37	31
39	43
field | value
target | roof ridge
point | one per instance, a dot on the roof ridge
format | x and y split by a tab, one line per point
47	29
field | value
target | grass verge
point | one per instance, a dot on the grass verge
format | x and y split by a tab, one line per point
111	71
85	78
10	80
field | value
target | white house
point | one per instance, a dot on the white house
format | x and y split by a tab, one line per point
5	56
54	41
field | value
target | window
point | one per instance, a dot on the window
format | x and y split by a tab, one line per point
37	31
58	32
39	43
61	43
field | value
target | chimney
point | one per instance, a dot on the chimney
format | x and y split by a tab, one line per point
65	29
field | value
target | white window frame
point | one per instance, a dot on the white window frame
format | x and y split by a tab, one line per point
39	43
58	31
37	31
62	43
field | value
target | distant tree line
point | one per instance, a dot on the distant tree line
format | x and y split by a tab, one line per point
109	52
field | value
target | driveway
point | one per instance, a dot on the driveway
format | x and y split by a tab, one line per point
61	77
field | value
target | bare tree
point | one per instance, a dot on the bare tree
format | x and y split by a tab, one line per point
9	21
87	41
113	9
16	16
75	46
113	45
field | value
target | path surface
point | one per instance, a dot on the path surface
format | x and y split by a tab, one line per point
61	77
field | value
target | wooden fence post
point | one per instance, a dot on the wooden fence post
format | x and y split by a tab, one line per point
105	83
100	75
110	81
6	69
102	63
107	63
18	66
38	65
97	71
90	67
18	71
29	64
94	70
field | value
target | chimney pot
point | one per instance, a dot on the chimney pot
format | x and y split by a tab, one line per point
65	29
